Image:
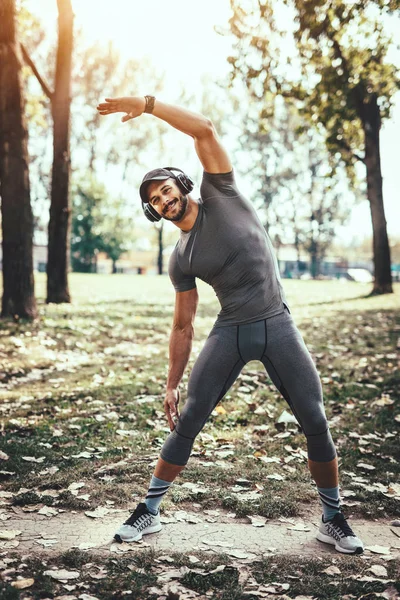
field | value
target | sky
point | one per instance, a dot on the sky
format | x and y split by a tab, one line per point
180	38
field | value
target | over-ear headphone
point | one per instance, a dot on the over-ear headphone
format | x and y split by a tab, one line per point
184	183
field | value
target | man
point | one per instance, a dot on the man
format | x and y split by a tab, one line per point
223	242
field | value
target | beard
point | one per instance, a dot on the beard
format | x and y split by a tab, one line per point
181	205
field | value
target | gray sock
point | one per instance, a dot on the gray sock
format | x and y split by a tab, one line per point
157	489
330	500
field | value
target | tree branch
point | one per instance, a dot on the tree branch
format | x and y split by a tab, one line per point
40	79
346	147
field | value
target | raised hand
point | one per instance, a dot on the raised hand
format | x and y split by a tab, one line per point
132	105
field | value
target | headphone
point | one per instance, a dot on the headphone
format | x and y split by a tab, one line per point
184	183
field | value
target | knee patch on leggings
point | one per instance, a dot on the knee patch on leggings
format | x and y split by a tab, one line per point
176	449
320	447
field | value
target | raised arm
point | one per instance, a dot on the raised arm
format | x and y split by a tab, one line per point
210	151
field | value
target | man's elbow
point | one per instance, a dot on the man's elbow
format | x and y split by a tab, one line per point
185	330
207	129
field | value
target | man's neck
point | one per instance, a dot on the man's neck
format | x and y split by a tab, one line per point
189	218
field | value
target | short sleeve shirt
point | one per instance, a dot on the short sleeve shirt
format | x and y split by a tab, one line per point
229	249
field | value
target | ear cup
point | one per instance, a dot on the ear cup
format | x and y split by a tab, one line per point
150	213
184	182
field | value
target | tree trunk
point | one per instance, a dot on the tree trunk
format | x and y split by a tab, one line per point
381	250
59	224
17	220
160	261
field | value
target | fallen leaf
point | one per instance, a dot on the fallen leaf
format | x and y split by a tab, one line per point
195	488
217	543
257	521
9	544
62	574
175	574
73	487
378	549
362	465
22	584
33	459
332	570
3	455
83	455
378	570
100	511
46	543
300	527
9	534
193	559
241	554
48	511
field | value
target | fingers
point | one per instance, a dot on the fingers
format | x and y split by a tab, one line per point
170	421
172	415
111	105
127	117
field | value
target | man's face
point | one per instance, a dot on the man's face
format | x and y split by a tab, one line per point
167	199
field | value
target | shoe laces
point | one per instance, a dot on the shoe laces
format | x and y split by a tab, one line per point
138	515
339	521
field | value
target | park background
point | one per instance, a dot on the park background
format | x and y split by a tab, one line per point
84	346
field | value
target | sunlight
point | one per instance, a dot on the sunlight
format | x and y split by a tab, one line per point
178	36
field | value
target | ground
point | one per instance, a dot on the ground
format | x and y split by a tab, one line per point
81	394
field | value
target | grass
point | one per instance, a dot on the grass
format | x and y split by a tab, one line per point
220	576
82	388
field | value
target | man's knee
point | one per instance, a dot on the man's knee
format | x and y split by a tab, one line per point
176	449
320	446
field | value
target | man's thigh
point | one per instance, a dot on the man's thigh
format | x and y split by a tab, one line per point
215	370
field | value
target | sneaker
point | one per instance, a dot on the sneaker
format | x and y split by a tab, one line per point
337	531
141	522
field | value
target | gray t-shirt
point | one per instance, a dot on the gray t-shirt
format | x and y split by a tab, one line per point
229	249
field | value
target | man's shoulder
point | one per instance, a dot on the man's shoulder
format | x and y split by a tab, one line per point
218	185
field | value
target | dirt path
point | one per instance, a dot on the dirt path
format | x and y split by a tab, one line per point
188	532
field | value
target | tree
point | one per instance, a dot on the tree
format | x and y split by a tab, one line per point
345	87
17	220
302	192
59	222
85	239
99	224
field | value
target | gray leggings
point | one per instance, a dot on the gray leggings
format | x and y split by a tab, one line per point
277	343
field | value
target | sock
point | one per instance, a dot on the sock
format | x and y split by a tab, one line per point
330	500
156	492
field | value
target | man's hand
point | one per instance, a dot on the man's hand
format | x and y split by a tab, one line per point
132	105
171	407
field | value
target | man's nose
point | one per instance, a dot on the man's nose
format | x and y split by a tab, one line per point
167	199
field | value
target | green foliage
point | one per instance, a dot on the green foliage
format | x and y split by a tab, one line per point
98	225
85	239
336	69
289	161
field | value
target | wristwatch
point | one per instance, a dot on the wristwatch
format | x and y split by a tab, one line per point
149	104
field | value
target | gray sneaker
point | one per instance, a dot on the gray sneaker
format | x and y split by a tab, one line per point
337	531
141	522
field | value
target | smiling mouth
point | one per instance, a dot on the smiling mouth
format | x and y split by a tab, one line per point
170	205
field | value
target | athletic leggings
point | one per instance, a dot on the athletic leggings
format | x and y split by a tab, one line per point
278	344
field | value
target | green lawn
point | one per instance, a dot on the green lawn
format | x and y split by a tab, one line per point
82	388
